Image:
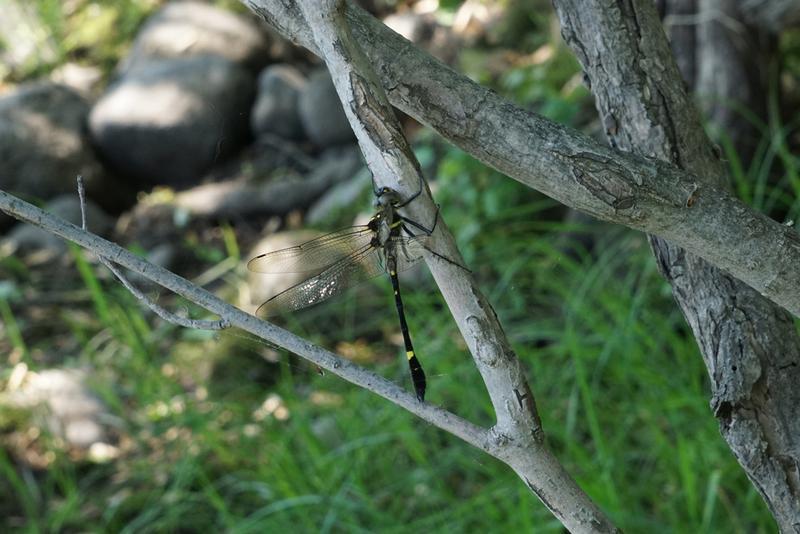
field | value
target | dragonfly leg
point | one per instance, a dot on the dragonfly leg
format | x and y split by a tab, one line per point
426	247
407	201
418	226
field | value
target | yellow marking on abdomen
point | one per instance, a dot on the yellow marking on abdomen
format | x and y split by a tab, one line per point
410	354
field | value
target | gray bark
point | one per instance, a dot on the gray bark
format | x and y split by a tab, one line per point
749	345
642	193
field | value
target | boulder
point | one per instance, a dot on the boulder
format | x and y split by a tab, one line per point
340	198
321	112
187	29
235	198
43	145
275	110
72	412
169	121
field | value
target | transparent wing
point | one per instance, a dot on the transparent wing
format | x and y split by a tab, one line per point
315	254
361	265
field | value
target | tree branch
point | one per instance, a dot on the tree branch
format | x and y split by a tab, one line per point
518	429
165	314
642	193
750	346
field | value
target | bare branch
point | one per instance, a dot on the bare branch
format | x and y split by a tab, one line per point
337	365
387	153
158	310
696	214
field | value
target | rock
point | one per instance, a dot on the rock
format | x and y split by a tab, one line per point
188	29
43	146
275	110
321	112
86	80
417	28
423	29
72	411
337	165
24	238
340	197
169	121
238	198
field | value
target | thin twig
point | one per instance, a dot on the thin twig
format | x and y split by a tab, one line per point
335	364
165	314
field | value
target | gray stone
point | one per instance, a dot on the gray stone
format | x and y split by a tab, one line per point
72	411
416	27
275	110
234	198
43	146
342	196
169	121
186	29
336	165
321	112
86	80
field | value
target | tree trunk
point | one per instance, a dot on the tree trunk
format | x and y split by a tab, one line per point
749	345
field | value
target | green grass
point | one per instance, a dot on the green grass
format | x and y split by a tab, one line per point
214	437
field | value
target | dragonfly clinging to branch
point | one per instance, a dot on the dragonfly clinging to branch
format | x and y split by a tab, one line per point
386	244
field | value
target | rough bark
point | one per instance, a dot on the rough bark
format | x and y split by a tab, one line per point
749	345
624	188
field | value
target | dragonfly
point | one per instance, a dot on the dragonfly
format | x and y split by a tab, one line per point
350	256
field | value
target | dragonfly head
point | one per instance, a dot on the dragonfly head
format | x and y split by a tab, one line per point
386	196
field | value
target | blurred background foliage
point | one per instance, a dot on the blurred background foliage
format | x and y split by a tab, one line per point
220	431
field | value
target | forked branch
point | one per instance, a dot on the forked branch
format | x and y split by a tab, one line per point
517	437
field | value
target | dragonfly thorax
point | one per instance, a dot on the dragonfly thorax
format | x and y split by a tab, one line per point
384	224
